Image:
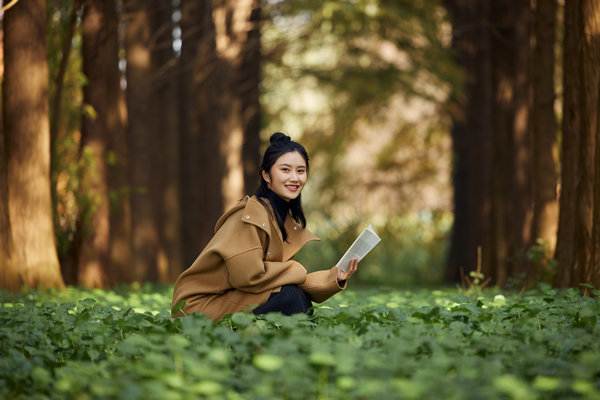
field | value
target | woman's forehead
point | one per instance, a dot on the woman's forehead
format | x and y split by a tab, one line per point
292	158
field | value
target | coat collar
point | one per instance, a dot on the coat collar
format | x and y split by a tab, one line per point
255	213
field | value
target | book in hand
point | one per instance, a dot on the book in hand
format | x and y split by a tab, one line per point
363	244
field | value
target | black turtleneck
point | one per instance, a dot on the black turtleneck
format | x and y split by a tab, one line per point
281	208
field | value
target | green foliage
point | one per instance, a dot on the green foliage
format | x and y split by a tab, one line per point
65	151
123	344
412	250
541	256
370	73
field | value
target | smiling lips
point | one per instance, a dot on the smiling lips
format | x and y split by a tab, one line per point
292	188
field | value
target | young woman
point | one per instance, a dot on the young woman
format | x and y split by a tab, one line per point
248	264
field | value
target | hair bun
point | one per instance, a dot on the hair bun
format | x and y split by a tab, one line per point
279	137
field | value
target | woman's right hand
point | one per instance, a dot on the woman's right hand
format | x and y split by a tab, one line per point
343	275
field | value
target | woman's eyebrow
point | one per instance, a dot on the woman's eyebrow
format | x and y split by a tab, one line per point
290	166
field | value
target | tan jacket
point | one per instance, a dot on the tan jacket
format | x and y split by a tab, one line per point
246	261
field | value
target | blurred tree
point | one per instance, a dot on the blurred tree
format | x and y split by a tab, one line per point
100	121
167	68
506	204
143	140
472	138
27	144
219	124
237	77
201	168
248	85
545	216
9	273
577	235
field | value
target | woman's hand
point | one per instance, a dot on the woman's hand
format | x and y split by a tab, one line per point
342	276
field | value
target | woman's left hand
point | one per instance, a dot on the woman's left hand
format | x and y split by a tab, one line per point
343	275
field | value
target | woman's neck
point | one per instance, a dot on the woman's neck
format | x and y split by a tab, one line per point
280	205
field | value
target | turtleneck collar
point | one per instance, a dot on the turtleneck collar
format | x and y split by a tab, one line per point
280	206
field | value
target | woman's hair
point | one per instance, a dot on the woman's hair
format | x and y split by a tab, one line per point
280	144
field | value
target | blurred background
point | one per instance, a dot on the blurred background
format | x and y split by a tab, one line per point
129	126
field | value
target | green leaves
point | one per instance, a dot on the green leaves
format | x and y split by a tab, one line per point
359	344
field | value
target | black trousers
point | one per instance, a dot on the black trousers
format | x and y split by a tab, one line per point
289	300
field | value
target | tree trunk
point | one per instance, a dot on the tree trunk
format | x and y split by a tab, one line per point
9	274
590	62
249	83
170	263
565	249
472	141
142	140
233	22
520	220
575	248
27	140
120	203
100	57
201	170
545	177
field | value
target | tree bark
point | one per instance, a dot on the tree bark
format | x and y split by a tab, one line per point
250	94
100	59
590	61
472	141
9	274
27	141
202	167
520	221
576	248
170	263
142	140
233	21
565	249
545	176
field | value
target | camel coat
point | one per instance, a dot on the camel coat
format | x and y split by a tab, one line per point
246	261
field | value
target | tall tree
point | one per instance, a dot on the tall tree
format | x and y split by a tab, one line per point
142	139
492	140
9	274
100	66
201	166
545	175
248	89
575	248
220	123
472	139
235	24
166	67
27	144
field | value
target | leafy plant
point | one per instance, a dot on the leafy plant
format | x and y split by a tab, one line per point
123	344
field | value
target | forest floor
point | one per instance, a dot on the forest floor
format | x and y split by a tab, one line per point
360	344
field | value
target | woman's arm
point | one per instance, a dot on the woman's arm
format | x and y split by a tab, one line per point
321	285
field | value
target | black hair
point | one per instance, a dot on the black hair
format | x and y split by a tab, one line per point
281	144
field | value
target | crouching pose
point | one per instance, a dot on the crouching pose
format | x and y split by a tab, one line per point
248	265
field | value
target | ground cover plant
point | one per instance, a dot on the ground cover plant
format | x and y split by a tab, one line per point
361	344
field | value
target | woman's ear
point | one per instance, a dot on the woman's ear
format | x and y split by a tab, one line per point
266	176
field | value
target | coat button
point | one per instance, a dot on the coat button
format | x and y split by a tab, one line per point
268	254
247	217
264	225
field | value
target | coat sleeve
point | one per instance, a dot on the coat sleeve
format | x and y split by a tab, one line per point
249	273
321	285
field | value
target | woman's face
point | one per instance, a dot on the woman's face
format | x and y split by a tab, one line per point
287	176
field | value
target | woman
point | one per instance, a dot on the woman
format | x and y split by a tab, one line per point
248	263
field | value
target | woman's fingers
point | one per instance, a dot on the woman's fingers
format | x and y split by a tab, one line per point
343	275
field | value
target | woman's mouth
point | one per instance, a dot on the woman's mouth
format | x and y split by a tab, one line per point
292	188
